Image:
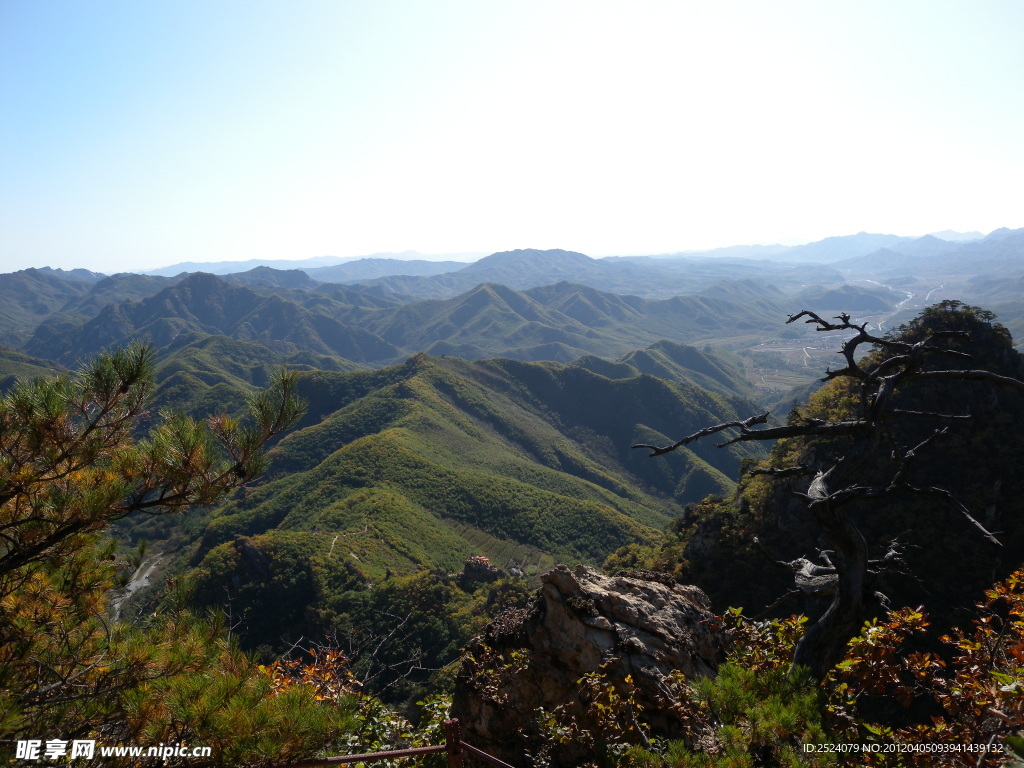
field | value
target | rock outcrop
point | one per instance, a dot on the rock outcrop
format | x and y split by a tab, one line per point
638	630
478	570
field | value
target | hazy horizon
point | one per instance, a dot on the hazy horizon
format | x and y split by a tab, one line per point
138	136
468	258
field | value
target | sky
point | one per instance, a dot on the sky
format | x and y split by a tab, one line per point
135	135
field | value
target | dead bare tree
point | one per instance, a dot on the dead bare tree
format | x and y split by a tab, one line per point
845	570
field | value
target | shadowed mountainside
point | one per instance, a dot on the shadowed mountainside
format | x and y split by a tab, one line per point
557	322
417	466
420	464
206	304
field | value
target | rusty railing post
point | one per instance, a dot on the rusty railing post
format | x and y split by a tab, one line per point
453	743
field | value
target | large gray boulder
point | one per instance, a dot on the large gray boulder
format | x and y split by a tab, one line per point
639	626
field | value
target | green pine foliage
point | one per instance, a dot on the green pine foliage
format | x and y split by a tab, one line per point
71	462
765	717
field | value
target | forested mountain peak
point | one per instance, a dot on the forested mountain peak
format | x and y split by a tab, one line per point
270	277
82	275
529	258
206	304
422	464
587	304
848	298
1002	233
711	368
369	268
837	248
29	296
767	514
739	290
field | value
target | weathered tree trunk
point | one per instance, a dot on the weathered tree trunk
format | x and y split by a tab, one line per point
866	429
824	644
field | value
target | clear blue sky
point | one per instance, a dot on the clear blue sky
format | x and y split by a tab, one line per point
139	134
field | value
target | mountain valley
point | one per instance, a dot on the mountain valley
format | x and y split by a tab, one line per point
465	411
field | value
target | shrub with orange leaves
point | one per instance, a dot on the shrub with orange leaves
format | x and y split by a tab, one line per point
327	673
978	686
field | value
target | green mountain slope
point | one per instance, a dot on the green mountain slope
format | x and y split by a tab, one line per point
493	319
846	298
30	296
16	366
560	322
202	374
55	322
710	368
116	289
565	320
422	464
208	305
273	278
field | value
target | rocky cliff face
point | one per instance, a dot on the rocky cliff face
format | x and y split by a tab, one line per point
639	631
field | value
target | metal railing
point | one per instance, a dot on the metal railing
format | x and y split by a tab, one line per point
454	747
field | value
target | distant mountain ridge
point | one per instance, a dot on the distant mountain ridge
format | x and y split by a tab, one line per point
523	304
791	269
957	237
369	268
847	298
560	322
829	260
664	274
827	250
833	249
999	253
231	267
81	275
29	297
207	304
274	278
527	269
